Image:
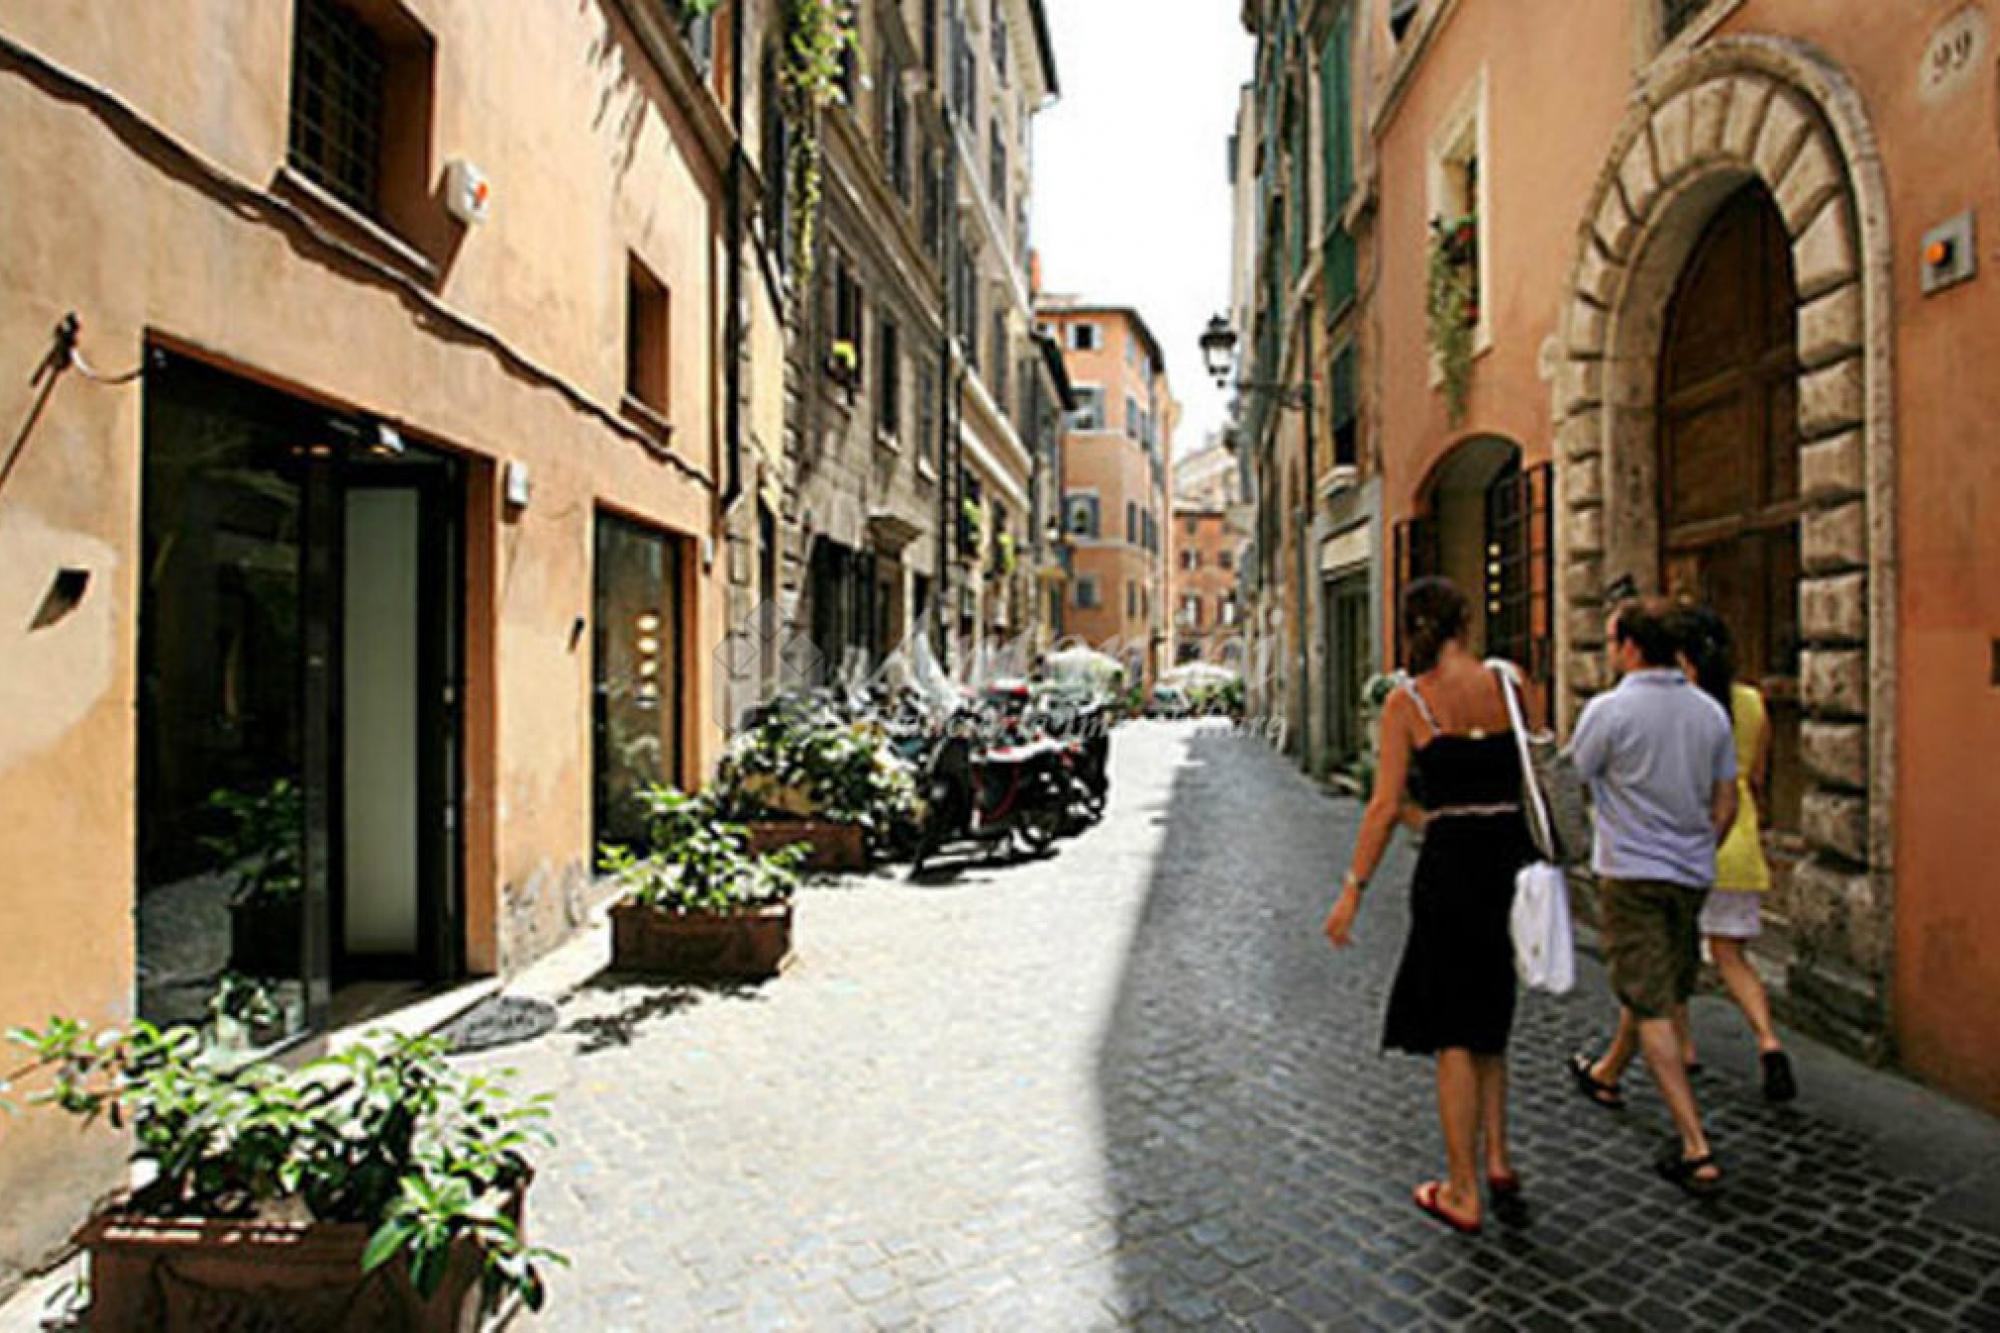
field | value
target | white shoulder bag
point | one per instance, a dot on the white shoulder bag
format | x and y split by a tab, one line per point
1544	947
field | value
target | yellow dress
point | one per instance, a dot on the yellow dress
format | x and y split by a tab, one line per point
1739	862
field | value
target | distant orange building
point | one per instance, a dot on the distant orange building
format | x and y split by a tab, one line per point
1117	484
1205	579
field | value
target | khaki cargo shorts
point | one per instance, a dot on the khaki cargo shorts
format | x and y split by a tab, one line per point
1652	943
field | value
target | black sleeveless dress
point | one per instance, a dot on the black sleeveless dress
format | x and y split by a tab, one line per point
1455	985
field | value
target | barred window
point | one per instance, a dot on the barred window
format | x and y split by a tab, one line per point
338	70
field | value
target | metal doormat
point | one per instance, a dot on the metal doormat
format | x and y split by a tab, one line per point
499	1020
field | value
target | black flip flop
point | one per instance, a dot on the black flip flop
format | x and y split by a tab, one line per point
1606	1095
1779	1085
1677	1169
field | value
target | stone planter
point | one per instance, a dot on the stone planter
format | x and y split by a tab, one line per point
164	1275
834	846
751	945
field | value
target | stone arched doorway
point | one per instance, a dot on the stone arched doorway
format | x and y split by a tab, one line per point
1484	521
1770	128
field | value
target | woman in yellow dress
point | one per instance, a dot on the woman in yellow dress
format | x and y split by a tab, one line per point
1732	916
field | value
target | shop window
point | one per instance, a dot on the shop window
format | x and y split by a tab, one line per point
361	107
636	672
647	308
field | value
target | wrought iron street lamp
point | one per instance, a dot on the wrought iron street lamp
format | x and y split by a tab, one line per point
1218	354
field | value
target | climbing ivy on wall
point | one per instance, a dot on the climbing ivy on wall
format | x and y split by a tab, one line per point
818	36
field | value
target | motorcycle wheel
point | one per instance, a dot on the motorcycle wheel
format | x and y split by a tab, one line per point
1039	828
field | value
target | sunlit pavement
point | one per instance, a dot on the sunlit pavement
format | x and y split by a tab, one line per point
1131	1084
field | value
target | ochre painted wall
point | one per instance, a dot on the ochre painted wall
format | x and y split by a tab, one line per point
558	108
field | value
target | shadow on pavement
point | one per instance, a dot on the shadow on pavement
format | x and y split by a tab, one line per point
1260	1151
637	1000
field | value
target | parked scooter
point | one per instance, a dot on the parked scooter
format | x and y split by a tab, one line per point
1010	796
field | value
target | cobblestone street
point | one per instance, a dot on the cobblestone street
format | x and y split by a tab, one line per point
1130	1084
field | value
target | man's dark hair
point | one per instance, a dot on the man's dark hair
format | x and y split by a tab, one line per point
1647	622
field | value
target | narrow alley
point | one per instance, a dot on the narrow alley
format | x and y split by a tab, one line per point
1131	1085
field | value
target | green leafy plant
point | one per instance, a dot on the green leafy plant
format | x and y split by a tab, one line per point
1451	305
697	862
247	1000
1004	556
261	848
386	1134
800	761
1375	692
818	34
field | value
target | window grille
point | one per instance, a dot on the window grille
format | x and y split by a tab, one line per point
337	95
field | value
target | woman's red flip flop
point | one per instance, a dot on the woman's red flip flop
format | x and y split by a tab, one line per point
1426	1197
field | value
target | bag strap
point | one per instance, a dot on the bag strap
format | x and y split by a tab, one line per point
1539	827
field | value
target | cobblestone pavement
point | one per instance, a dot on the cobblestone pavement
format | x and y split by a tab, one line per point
1131	1085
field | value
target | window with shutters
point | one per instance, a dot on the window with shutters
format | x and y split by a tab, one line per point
1089	413
888	380
1346	410
1080	511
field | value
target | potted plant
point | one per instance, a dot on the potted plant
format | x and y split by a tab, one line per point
244	1012
843	363
377	1188
260	852
1451	305
699	904
802	775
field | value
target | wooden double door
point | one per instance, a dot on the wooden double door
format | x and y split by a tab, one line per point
1728	479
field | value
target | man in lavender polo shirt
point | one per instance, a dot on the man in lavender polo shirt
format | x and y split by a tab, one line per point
1661	763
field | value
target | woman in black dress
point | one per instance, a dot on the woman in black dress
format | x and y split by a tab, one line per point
1447	746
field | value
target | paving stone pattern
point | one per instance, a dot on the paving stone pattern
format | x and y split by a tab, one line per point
1130	1085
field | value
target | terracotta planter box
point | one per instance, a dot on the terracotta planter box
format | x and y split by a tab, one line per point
752	945
169	1275
834	846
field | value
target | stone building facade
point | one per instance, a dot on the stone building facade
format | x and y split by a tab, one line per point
1722	299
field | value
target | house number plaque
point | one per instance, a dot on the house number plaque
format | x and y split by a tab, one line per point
1954	56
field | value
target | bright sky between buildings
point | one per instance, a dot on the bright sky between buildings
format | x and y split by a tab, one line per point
1132	197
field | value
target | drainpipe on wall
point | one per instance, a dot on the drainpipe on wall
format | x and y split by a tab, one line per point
733	338
1305	539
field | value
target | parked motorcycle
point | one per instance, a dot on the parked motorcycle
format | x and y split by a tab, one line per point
1011	796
